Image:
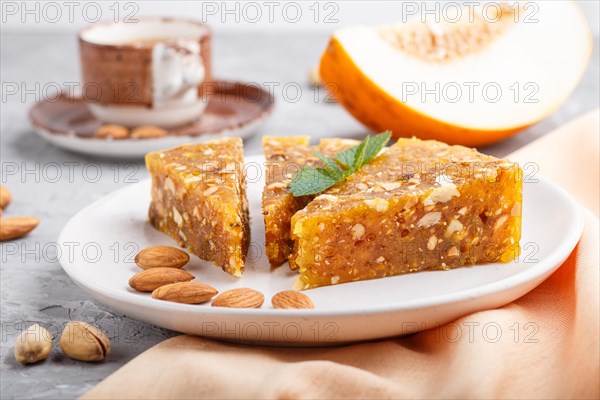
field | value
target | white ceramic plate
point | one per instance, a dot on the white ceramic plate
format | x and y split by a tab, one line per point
105	236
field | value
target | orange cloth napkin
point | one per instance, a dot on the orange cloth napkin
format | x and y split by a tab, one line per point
548	346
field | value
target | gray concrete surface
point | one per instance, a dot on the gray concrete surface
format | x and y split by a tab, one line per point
33	285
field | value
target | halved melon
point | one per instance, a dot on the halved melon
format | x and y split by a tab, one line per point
470	81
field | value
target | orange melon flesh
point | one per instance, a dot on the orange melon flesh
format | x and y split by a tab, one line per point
440	80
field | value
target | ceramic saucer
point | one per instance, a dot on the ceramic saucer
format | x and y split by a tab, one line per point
235	109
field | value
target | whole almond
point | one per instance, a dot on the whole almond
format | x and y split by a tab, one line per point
185	292
291	299
240	298
112	131
84	342
161	257
5	197
148	132
16	227
33	345
153	278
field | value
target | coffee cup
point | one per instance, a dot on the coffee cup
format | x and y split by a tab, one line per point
151	72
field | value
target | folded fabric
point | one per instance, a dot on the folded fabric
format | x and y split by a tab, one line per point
543	345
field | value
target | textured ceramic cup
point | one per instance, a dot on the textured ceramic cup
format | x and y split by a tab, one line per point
152	72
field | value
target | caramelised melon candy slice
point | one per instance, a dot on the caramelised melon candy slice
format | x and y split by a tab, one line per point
285	156
419	205
199	199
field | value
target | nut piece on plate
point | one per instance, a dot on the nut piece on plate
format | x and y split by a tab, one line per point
112	131
150	279
84	342
240	298
147	132
5	197
16	227
161	257
185	292
33	345
291	299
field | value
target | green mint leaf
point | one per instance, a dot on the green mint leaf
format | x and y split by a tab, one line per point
352	159
373	145
330	165
310	180
347	157
360	154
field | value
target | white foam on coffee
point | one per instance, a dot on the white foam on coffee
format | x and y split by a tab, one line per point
143	30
